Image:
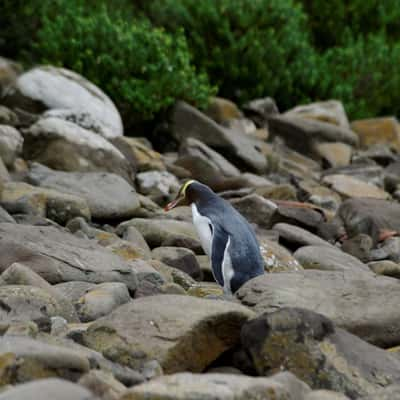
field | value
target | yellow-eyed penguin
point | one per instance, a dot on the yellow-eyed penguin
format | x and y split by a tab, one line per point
226	237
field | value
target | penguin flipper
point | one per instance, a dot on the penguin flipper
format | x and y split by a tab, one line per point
219	243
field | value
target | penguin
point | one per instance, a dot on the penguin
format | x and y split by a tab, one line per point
225	235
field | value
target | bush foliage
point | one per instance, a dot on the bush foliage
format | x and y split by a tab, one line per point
146	54
249	48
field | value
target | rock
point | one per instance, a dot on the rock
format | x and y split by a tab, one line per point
108	195
391	392
161	327
206	289
24	359
19	274
19	197
222	110
220	386
101	300
359	246
65	146
300	214
237	147
363	216
48	389
144	157
390	250
158	185
9	71
132	235
180	258
348	186
260	109
256	209
328	259
205	164
40	88
334	154
5	216
10	144
384	130
60	257
296	237
323	356
103	385
302	134
276	257
364	304
330	111
278	192
385	267
74	290
19	303
321	196
175	275
391	176
157	231
325	395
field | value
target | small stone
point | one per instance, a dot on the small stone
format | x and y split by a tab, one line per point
385	267
10	144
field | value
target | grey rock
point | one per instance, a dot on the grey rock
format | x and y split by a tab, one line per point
236	146
205	164
158	185
65	146
60	257
385	267
301	134
260	109
391	392
5	216
256	209
390	250
359	246
132	235
40	88
19	274
103	385
10	144
157	231
9	71
311	347
328	259
101	300
364	170
180	258
296	237
363	304
392	176
48	389
108	195
74	290
323	394
220	386
161	327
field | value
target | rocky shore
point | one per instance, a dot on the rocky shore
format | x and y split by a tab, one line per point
105	296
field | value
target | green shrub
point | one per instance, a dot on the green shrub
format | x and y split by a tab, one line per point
249	48
364	74
144	69
332	21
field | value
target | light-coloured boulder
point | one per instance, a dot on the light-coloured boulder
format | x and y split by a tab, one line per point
10	144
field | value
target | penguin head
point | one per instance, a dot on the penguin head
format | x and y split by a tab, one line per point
182	199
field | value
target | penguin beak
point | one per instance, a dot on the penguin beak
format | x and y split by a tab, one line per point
173	204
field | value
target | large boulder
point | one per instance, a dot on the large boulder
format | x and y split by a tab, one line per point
183	333
40	88
65	146
220	386
311	347
236	146
58	256
108	195
364	304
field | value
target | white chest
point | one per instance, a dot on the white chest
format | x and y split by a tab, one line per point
203	228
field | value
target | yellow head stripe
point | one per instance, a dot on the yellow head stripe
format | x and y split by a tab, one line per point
185	186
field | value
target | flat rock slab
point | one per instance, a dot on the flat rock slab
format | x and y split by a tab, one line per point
31	359
48	389
328	259
364	304
183	333
220	386
108	195
311	347
58	256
